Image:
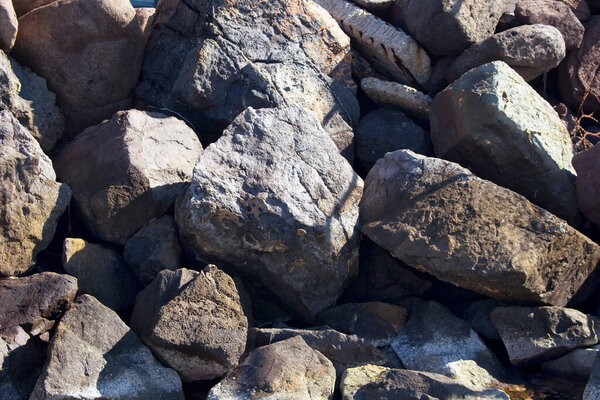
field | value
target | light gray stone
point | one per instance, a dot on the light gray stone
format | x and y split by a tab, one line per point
592	389
8	25
409	99
576	364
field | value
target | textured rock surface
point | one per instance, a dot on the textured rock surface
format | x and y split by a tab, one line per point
93	354
534	334
409	99
576	364
587	165
32	199
492	122
24	6
478	317
592	389
274	199
8	25
128	170
193	322
377	7
145	17
439	218
289	369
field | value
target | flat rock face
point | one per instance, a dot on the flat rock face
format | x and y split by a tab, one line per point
193	322
274	199
93	354
289	369
128	170
32	199
492	122
210	60
440	218
534	334
587	165
8	25
576	364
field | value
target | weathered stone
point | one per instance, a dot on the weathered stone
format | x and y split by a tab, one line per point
534	334
32	201
581	10
377	7
440	218
587	165
128	170
93	354
24	6
145	17
8	25
373	382
531	50
193	322
576	364
409	99
275	200
478	317
438	81
592	389
492	122
89	52
100	272
289	369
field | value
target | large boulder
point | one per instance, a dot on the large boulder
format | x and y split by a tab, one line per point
492	122
8	25
440	218
128	170
274	199
32	199
587	165
193	322
89	52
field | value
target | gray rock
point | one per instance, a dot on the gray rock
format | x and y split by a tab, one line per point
32	200
93	354
8	25
531	50
153	248
492	122
534	334
289	369
587	164
100	272
377	7
478	317
576	364
409	99
193	322
592	389
128	170
275	200
440	218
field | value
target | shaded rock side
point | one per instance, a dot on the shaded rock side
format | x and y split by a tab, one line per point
409	99
587	165
576	364
592	389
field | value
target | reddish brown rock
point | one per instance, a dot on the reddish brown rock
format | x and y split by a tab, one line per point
587	165
24	6
8	25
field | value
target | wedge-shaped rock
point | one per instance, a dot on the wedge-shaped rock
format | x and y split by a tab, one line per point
492	122
93	354
274	199
440	218
32	200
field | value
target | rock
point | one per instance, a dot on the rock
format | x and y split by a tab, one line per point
90	53
409	99
128	170
289	369
153	248
377	7
592	389
100	272
554	13
8	25
440	218
375	322
26	96
435	340
93	354
145	17
210	60
275	200
492	122
388	129
531	50
24	6
373	382
587	165
478	317
193	322
32	199
576	364
582	10
438	81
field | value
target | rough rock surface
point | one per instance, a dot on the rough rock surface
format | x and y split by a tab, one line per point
274	199
100	272
534	334
377	7
409	99
24	6
587	165
89	52
373	382
8	25
128	170
32	200
440	218
576	364
193	322
145	17
531	50
592	389
289	369
492	122
478	317
93	354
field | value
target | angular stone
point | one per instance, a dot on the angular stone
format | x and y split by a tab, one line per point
440	218
193	322
478	317
128	170
93	354
492	122
534	334
275	200
32	199
289	369
576	364
587	165
100	272
409	99
8	25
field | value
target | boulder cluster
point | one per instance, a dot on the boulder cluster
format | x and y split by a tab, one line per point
300	199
